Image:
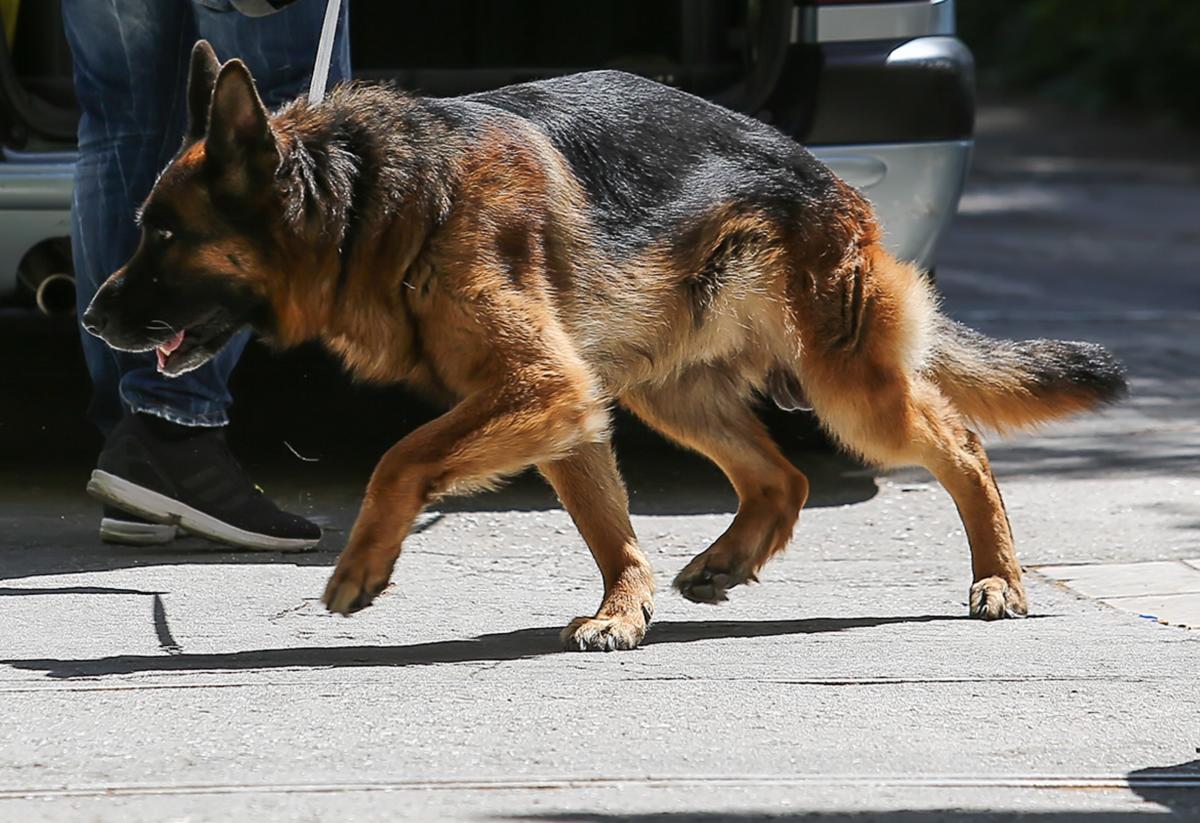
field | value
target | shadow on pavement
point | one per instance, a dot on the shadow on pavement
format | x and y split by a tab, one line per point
49	526
923	816
36	591
502	646
1176	789
1149	454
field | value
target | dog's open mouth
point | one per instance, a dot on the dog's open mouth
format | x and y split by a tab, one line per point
191	348
165	350
186	350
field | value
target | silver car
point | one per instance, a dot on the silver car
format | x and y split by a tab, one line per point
881	91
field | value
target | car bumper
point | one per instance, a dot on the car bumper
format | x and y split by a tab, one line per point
914	187
893	117
35	201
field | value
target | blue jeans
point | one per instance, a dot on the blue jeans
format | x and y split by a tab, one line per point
131	62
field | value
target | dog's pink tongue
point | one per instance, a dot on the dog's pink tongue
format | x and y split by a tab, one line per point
164	350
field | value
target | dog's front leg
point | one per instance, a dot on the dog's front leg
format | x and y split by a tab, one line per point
590	487
485	437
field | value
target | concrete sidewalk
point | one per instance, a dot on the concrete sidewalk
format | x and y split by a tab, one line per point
202	685
204	688
210	686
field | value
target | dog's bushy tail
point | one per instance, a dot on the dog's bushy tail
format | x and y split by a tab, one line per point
1011	384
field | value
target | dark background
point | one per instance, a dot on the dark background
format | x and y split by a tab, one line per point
1135	57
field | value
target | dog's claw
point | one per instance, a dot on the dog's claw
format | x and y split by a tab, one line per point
345	597
605	634
356	581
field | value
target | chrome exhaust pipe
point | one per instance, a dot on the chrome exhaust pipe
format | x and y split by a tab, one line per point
55	295
46	272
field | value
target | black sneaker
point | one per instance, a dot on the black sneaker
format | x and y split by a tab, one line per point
117	526
185	476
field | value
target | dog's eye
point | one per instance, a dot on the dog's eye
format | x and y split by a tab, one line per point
162	235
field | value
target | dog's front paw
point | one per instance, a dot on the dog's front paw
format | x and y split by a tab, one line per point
605	634
355	583
994	598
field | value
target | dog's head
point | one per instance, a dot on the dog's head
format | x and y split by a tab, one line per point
210	231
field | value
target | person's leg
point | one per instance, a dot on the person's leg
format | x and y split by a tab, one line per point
127	59
166	458
279	49
130	61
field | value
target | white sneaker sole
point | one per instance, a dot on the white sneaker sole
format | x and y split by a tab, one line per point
170	512
134	533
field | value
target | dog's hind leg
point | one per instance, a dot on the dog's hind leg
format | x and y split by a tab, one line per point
909	422
869	390
589	486
706	409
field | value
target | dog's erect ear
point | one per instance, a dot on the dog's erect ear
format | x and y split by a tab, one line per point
240	140
202	76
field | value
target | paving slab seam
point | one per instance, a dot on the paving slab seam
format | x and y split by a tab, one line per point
1166	591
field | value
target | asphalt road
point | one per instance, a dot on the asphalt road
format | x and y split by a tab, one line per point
204	685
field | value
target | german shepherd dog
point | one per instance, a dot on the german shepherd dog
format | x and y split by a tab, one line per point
538	253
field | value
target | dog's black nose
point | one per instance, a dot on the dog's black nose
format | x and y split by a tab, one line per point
94	321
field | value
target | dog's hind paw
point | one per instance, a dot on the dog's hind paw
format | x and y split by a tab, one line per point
994	598
604	634
701	583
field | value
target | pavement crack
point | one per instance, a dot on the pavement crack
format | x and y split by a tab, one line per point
899	681
486	667
290	610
